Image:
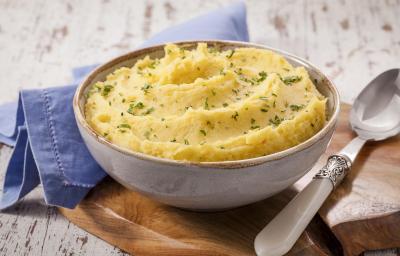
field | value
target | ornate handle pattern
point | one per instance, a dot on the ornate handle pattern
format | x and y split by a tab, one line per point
335	169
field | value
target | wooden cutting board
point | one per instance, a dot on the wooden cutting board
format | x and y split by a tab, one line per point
362	214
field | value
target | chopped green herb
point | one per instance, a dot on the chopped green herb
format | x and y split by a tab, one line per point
254	127
146	87
263	98
289	80
235	116
276	121
153	65
273	94
206	104
162	119
174	140
245	79
124	126
230	54
312	125
123	100
148	111
203	132
122	113
139	105
235	91
286	69
225	104
147	134
252	121
186	142
239	71
106	90
105	134
263	76
296	107
213	92
221	147
264	110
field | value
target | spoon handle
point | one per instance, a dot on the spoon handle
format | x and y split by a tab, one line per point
279	236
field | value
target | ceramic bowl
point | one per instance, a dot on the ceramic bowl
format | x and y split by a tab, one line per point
206	185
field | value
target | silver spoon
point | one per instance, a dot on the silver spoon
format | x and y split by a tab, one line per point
375	116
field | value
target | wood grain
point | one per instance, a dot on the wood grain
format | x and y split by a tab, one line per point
40	41
363	213
141	226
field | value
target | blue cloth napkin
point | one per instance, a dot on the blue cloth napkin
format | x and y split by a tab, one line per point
48	148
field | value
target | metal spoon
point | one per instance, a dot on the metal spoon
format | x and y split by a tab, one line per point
375	116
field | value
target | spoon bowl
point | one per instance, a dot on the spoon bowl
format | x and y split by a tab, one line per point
375	112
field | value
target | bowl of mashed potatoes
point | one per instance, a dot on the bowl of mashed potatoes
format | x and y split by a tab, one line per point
206	125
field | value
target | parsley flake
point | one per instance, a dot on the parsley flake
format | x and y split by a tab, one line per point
127	126
235	116
289	80
106	90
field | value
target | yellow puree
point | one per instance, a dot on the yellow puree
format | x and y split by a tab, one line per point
207	105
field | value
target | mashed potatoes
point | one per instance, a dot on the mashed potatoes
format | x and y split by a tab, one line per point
207	105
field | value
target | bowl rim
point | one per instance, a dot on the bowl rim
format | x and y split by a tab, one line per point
87	81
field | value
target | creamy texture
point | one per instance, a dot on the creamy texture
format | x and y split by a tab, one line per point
207	105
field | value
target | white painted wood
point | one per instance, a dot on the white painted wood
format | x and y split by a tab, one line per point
40	41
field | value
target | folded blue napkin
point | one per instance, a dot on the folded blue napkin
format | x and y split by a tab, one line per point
48	148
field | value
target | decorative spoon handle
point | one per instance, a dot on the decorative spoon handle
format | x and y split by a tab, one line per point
279	236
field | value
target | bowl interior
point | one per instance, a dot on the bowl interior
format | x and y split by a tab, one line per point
323	84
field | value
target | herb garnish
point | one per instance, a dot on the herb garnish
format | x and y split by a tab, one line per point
146	88
138	105
124	126
289	80
106	90
276	121
263	76
203	132
224	104
235	116
296	107
148	111
186	142
230	54
206	104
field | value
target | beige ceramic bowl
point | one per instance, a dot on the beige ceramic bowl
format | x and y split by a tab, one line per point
205	185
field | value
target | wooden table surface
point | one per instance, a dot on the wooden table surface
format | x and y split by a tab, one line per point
40	41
